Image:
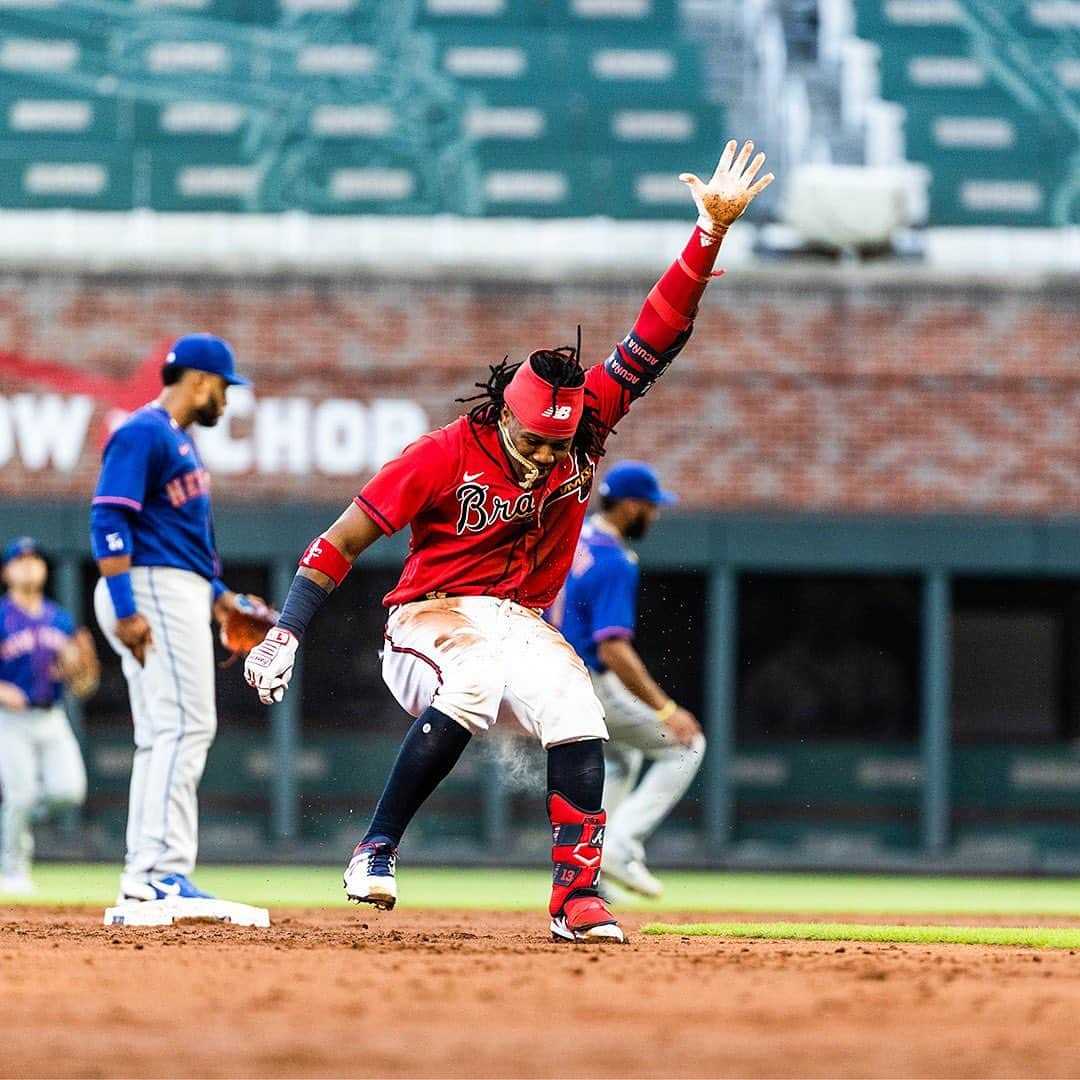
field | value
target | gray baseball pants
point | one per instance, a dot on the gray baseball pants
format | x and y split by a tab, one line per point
174	716
635	735
41	770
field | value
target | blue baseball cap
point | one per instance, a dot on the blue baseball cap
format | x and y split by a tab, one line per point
205	352
20	546
635	480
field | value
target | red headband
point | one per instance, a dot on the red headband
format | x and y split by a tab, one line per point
530	400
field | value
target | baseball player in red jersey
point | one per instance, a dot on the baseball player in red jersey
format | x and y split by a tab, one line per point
496	501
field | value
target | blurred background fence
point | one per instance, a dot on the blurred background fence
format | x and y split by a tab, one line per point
871	589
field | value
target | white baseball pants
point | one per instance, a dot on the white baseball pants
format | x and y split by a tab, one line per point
635	810
479	659
41	769
174	715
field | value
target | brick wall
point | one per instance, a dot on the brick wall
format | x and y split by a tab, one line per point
796	392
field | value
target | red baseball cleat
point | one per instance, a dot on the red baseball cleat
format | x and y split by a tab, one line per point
577	841
586	918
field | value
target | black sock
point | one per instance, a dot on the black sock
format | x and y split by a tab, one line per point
428	753
576	771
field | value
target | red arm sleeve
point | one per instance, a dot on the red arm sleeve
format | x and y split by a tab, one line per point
407	485
669	310
662	328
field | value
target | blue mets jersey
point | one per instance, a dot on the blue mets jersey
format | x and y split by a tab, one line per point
29	644
153	498
600	599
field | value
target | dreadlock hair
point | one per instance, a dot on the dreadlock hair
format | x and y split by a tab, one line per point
561	368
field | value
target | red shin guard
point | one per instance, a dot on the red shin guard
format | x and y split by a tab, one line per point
577	841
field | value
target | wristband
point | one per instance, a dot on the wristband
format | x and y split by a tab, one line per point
666	712
321	555
123	596
304	599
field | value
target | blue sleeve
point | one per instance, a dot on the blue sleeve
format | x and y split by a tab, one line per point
64	622
612	586
125	467
110	531
121	489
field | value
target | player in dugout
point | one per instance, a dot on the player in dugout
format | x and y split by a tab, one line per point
496	501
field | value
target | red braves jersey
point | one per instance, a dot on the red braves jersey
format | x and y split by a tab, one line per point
474	530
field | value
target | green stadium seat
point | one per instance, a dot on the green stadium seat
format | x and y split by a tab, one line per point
310	15
474	14
1065	71
531	183
59	18
649	187
375	121
57	45
999	198
222	10
1039	21
886	19
208	177
41	109
982	132
664	70
640	121
312	62
205	121
23	54
607	16
612	16
183	54
356	178
44	175
517	117
491	60
905	72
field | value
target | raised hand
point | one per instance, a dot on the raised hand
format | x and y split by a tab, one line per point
731	189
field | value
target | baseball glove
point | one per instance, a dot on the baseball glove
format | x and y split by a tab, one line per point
78	666
245	624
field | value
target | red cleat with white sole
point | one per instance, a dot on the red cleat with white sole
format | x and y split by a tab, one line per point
577	912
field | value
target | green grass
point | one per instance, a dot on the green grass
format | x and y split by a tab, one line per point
1030	937
303	886
816	894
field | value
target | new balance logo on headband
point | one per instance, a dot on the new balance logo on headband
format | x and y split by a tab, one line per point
558	412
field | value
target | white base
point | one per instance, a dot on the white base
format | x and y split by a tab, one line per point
17	886
166	912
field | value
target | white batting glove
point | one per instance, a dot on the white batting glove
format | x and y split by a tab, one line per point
269	665
731	189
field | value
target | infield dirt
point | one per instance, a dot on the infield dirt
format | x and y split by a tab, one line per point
486	994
